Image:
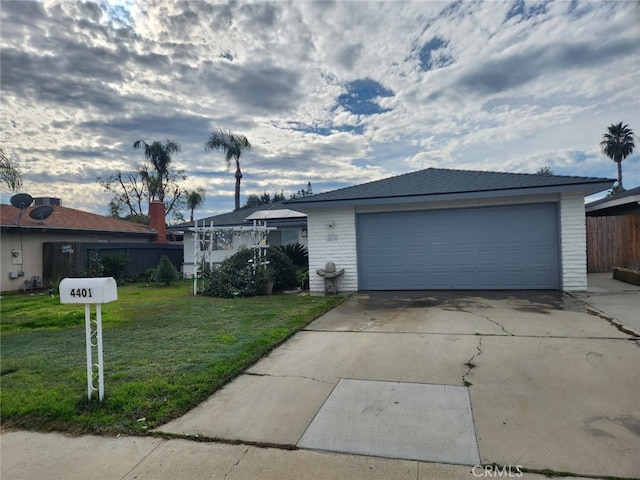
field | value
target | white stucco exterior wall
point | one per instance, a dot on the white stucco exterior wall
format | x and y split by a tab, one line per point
573	243
332	238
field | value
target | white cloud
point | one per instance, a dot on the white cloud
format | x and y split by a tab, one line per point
82	81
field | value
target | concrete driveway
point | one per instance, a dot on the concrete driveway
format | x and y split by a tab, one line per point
524	380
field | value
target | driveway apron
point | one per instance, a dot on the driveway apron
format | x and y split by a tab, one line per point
534	380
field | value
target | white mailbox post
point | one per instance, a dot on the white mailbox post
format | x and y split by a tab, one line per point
91	291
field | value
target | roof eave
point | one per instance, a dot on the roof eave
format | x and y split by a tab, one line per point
613	202
45	228
285	222
587	188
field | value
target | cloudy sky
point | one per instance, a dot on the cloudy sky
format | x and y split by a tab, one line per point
332	93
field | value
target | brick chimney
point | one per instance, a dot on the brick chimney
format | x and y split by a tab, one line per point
157	220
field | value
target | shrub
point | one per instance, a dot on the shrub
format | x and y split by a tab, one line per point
96	268
302	275
281	270
150	275
166	271
115	266
237	275
297	252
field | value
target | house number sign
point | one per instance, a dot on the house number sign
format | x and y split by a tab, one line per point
81	292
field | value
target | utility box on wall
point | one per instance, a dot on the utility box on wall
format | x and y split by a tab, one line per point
16	257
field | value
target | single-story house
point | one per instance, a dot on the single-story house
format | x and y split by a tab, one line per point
232	232
441	229
23	237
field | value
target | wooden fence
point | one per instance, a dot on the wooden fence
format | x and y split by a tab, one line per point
613	242
68	259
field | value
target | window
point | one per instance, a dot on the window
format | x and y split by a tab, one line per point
216	241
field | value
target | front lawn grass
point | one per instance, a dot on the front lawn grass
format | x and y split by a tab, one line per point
165	351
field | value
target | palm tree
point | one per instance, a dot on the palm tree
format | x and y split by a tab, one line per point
195	199
233	145
617	144
160	157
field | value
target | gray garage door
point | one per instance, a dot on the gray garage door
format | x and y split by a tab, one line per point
510	247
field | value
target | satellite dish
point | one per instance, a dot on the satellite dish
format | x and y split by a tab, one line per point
41	213
21	200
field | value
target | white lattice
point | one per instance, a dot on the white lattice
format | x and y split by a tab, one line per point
205	238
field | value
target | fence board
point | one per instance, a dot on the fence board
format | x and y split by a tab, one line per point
613	242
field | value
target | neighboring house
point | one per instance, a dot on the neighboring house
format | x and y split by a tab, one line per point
625	203
23	238
289	227
613	232
441	229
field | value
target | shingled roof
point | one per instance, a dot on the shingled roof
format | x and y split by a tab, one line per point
441	181
237	217
64	218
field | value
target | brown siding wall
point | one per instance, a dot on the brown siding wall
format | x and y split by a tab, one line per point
613	242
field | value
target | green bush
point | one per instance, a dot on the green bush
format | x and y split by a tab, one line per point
302	275
281	270
150	275
166	271
237	276
297	252
115	266
96	268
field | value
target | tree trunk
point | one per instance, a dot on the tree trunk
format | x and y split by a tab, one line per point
619	163
238	178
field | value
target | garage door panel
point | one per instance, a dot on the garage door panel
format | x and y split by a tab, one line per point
439	260
477	248
391	260
415	277
463	259
489	280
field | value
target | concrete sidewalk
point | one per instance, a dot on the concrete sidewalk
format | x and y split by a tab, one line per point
439	381
53	456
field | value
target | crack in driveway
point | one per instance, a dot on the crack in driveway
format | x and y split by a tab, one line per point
237	463
492	321
145	457
485	317
470	365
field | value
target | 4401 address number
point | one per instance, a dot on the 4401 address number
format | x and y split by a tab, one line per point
81	293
